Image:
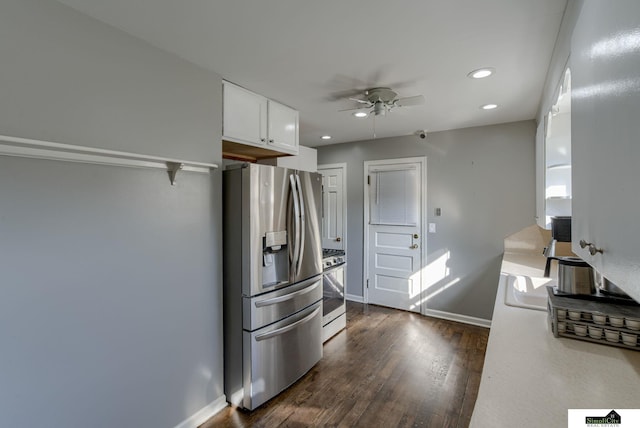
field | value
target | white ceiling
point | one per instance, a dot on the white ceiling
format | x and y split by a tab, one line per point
307	53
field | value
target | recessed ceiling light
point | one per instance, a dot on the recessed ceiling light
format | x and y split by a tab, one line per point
326	137
489	106
360	114
480	73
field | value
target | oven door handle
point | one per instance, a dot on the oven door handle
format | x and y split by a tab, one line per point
290	327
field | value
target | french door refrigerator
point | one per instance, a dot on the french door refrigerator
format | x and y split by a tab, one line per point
272	280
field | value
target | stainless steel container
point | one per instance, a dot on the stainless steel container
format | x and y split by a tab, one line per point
575	276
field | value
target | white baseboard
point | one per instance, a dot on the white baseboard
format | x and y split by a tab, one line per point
354	298
202	415
481	322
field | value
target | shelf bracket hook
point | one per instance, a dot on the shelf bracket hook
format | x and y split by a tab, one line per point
173	168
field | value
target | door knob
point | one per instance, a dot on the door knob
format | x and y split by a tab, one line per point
338	239
414	246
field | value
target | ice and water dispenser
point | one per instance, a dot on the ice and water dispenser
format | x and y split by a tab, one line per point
275	258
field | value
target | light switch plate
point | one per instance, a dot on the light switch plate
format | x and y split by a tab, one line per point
432	228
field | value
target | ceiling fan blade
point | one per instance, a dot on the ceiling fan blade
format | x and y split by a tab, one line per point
357	108
409	101
360	101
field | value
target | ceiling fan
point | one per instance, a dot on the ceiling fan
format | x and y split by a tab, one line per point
382	100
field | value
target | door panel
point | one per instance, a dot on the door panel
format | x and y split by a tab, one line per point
311	243
394	262
394	232
394	199
332	208
392	283
393	240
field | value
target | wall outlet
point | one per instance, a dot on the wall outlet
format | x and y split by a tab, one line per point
432	228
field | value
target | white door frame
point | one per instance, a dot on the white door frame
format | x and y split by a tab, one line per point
422	160
342	166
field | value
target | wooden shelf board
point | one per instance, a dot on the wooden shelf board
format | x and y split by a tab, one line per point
244	152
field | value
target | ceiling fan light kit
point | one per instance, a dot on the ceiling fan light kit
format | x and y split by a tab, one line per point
380	100
379	108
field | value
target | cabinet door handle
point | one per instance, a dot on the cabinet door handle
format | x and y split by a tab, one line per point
263	139
414	246
271	141
338	239
593	250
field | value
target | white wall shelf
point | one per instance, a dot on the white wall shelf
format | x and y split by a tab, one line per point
23	147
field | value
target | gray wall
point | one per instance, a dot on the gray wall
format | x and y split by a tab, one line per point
483	180
71	79
110	299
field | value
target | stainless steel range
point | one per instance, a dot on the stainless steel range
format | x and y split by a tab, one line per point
334	317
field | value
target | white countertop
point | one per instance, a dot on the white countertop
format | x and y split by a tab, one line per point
530	378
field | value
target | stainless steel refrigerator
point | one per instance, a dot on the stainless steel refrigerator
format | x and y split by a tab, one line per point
272	280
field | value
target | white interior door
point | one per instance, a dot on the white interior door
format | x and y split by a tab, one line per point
394	215
333	206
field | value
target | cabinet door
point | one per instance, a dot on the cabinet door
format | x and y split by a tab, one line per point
541	207
244	116
283	128
605	128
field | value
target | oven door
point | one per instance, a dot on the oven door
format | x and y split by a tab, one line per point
333	304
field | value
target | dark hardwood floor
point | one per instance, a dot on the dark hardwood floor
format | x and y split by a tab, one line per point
388	369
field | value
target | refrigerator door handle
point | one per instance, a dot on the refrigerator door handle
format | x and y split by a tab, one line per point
276	300
302	225
285	329
296	223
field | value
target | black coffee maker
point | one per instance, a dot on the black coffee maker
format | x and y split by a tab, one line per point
560	232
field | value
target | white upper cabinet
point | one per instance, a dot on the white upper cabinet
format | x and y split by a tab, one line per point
605	69
244	116
283	127
553	158
251	119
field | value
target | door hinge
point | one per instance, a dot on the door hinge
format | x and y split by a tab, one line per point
367	283
369	180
